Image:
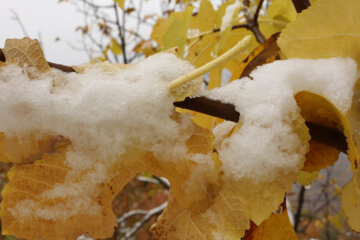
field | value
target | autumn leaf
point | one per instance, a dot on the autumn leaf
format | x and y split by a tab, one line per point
120	3
172	32
317	109
226	217
334	31
25	51
264	53
305	178
351	206
115	47
204	19
277	226
337	36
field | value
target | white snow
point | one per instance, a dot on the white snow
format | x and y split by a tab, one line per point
102	111
228	17
266	145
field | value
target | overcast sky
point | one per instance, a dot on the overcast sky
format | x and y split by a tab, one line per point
48	18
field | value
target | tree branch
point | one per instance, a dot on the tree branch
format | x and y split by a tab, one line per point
148	214
301	199
301	5
226	111
121	32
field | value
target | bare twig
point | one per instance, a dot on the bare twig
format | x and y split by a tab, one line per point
252	24
148	214
18	20
301	199
97	6
121	31
156	180
257	12
163	181
151	213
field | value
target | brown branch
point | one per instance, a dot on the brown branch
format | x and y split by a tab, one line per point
301	199
257	12
251	24
319	133
210	107
301	5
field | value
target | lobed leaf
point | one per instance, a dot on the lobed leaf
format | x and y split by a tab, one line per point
25	51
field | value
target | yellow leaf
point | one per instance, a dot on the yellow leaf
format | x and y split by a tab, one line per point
320	156
225	218
144	47
25	149
351	206
281	10
224	33
25	51
205	18
172	32
305	178
329	28
264	53
115	47
120	3
44	193
276	227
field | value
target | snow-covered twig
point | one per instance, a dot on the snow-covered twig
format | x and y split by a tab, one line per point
148	214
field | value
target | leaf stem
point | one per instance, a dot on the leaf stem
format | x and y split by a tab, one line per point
233	52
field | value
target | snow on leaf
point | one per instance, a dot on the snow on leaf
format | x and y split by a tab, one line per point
63	192
25	51
25	149
334	31
259	140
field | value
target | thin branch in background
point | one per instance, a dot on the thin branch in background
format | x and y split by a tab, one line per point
139	16
252	24
121	31
147	215
18	20
97	6
151	213
301	199
41	41
163	181
155	180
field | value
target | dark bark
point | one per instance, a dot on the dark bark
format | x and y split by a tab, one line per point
301	5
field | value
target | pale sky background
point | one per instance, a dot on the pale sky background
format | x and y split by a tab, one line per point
51	19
